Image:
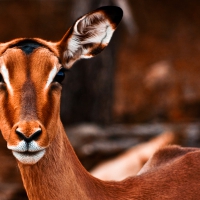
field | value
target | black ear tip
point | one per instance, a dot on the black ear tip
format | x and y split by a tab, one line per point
114	13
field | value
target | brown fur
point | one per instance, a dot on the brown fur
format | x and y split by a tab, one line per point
59	175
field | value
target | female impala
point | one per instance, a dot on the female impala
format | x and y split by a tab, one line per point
31	72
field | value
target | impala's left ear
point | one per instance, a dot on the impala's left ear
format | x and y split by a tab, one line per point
89	35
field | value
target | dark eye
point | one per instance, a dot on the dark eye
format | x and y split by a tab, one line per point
1	79
60	76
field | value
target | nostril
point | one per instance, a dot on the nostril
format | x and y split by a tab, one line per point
33	136
20	135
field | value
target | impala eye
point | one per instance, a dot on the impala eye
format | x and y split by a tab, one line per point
1	79
60	76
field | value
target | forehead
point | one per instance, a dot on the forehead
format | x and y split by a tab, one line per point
27	45
29	59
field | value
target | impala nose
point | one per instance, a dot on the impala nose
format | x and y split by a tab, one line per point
28	134
34	136
28	130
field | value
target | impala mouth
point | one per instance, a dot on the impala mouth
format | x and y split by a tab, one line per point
27	157
27	153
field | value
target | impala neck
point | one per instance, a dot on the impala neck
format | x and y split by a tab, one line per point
59	174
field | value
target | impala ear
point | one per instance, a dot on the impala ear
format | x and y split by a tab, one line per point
89	35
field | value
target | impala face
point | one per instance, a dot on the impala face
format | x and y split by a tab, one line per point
30	93
31	72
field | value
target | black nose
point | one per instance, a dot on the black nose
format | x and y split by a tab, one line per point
34	136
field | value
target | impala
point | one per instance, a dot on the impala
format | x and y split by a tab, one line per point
30	87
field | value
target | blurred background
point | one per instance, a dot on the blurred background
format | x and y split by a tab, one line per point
144	83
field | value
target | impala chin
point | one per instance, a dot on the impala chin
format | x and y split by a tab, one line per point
29	158
27	153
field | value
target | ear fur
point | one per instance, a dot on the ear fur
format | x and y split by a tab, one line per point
89	35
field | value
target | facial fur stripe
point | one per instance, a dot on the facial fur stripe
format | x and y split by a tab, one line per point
5	74
51	77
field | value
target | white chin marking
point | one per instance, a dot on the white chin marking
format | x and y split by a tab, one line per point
29	158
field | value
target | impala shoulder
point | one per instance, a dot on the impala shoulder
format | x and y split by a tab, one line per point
172	152
169	155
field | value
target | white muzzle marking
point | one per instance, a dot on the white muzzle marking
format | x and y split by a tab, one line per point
27	153
29	158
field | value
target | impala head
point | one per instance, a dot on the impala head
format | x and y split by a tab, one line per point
31	72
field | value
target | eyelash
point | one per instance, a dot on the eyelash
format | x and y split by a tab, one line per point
60	76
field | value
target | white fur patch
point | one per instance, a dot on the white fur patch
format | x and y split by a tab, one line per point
27	153
51	77
33	146
5	74
29	159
